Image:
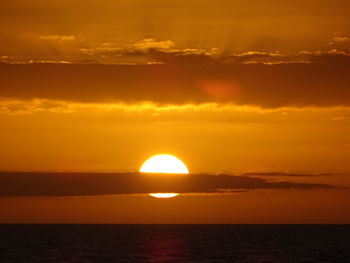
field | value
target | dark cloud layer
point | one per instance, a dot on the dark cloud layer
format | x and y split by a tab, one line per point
295	84
280	174
79	184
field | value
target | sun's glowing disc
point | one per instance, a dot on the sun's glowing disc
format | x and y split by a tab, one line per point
163	195
164	163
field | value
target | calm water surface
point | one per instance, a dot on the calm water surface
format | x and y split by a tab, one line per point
174	243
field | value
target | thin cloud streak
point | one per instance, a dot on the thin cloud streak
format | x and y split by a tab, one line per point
281	174
17	106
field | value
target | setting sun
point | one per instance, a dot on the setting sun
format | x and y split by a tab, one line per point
164	163
164	195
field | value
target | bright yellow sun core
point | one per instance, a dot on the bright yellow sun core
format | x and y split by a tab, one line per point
164	163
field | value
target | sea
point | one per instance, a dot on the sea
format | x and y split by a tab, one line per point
174	243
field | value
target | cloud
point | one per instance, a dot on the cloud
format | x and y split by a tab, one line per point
38	61
140	47
58	38
281	174
147	51
267	86
341	39
340	43
163	51
79	184
78	49
150	43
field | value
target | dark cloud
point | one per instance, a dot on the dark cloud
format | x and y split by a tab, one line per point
78	184
279	174
294	84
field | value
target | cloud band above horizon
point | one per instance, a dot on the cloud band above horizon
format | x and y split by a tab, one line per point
269	86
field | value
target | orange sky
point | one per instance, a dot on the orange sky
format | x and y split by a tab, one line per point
231	87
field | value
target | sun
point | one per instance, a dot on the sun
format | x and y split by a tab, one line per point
164	195
165	164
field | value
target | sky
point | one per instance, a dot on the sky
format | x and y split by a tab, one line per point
253	96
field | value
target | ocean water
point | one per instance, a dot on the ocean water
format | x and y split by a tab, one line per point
174	243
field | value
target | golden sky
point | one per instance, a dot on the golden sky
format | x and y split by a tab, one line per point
253	96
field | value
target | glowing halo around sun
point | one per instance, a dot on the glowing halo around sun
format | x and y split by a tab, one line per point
164	164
